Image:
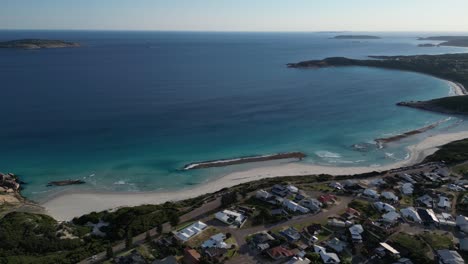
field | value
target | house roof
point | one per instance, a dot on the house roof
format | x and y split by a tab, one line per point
192	253
412	213
450	256
389	248
326	256
391	216
190	231
390	196
280	252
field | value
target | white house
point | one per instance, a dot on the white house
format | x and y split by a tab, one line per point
216	241
191	231
407	188
292	188
408	178
411	213
294	207
390	196
371	193
338	223
384	207
263	195
326	256
231	218
391	217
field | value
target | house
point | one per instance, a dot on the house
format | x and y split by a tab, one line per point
404	261
336	244
393	252
391	217
292	189
313	204
261	240
446	219
215	252
390	196
356	231
384	207
371	193
326	256
231	218
336	185
463	244
291	234
191	256
449	257
351	213
216	241
278	211
425	200
294	207
378	182
191	231
338	223
444	203
263	195
456	188
280	252
279	190
433	177
298	260
411	214
407	178
462	223
407	188
428	216
327	199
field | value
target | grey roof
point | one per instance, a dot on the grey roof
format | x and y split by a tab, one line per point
450	257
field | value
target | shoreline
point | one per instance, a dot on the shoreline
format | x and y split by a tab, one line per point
67	205
457	88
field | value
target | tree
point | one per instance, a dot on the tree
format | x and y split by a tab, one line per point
148	236
173	218
159	228
228	198
129	240
109	252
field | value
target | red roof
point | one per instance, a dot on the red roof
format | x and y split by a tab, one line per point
191	256
352	211
327	198
280	252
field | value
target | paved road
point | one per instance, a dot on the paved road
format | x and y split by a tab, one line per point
246	255
139	239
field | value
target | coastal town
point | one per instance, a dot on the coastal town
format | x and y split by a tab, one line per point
409	215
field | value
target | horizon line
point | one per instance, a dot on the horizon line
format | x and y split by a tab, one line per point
233	31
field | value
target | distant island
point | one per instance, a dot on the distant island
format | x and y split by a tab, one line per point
428	45
37	44
453	41
356	37
452	67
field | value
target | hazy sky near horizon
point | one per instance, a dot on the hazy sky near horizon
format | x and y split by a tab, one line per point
236	15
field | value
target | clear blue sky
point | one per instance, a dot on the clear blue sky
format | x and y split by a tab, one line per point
237	15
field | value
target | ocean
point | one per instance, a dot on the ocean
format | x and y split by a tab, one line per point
127	110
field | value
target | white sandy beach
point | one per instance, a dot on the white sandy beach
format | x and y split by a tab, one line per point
457	88
68	205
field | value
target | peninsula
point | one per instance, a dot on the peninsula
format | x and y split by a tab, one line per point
453	41
356	37
37	44
452	67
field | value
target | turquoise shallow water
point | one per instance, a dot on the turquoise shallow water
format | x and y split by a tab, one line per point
127	110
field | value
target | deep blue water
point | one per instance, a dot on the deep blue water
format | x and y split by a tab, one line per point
131	108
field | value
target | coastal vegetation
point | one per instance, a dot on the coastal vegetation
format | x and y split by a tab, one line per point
451	153
452	67
37	44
